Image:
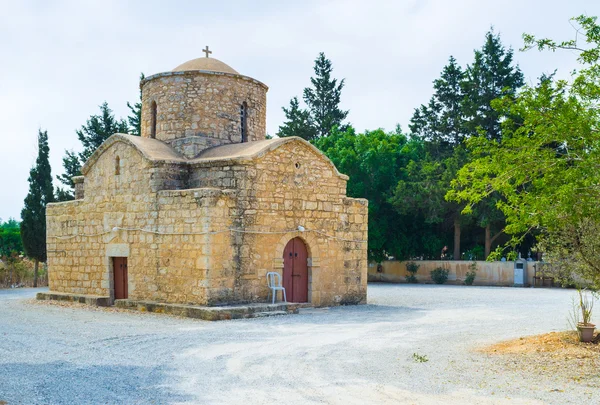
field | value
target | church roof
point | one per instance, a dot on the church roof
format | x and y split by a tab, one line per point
151	149
205	64
158	151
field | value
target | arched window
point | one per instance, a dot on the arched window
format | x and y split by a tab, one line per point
244	121
117	166
153	120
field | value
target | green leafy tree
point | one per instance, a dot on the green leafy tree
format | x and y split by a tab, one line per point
135	117
421	193
33	215
97	129
374	161
10	238
545	166
298	122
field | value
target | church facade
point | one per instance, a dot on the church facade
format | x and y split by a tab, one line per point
201	206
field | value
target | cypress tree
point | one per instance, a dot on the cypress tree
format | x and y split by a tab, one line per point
323	99
33	215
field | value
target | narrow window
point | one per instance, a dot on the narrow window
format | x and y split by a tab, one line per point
118	166
153	120
244	121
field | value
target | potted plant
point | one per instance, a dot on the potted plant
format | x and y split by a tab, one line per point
585	328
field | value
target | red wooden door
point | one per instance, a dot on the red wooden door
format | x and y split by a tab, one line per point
120	277
295	271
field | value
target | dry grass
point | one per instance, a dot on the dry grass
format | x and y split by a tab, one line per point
555	354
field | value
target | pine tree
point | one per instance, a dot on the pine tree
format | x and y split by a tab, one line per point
298	122
441	122
135	118
441	125
98	129
91	135
491	76
72	167
33	215
323	99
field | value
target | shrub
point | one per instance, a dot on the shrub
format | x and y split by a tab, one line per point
470	276
412	268
439	275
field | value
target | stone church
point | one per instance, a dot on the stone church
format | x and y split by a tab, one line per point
201	206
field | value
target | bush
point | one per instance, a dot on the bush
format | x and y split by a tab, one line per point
470	276
412	268
439	275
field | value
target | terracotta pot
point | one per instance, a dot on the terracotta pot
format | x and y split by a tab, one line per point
586	331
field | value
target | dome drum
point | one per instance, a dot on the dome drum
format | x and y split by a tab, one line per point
206	99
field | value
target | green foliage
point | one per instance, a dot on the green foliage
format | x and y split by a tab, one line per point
439	275
412	268
470	276
41	192
298	122
72	168
492	75
10	238
322	100
441	122
545	166
375	161
97	129
135	118
475	253
458	110
420	358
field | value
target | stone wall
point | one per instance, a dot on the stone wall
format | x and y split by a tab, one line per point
165	263
277	194
214	242
488	273
205	105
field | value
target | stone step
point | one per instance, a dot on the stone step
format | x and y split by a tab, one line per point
269	313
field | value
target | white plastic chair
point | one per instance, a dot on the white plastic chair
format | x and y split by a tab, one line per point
274	283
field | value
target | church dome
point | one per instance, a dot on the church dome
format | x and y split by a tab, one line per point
208	64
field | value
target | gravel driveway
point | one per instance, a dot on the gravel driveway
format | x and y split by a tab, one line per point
345	355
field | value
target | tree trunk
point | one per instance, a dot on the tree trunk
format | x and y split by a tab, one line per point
489	239
35	272
457	239
488	242
10	277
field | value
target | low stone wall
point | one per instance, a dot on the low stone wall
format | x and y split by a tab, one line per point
488	273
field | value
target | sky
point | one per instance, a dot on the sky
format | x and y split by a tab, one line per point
61	59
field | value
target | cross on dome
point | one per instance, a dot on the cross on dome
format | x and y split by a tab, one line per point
206	51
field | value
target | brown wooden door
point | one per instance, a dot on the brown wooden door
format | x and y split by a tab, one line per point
295	271
120	277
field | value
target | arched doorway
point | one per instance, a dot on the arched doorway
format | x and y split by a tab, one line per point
295	270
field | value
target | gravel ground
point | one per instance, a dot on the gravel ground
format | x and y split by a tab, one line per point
52	354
